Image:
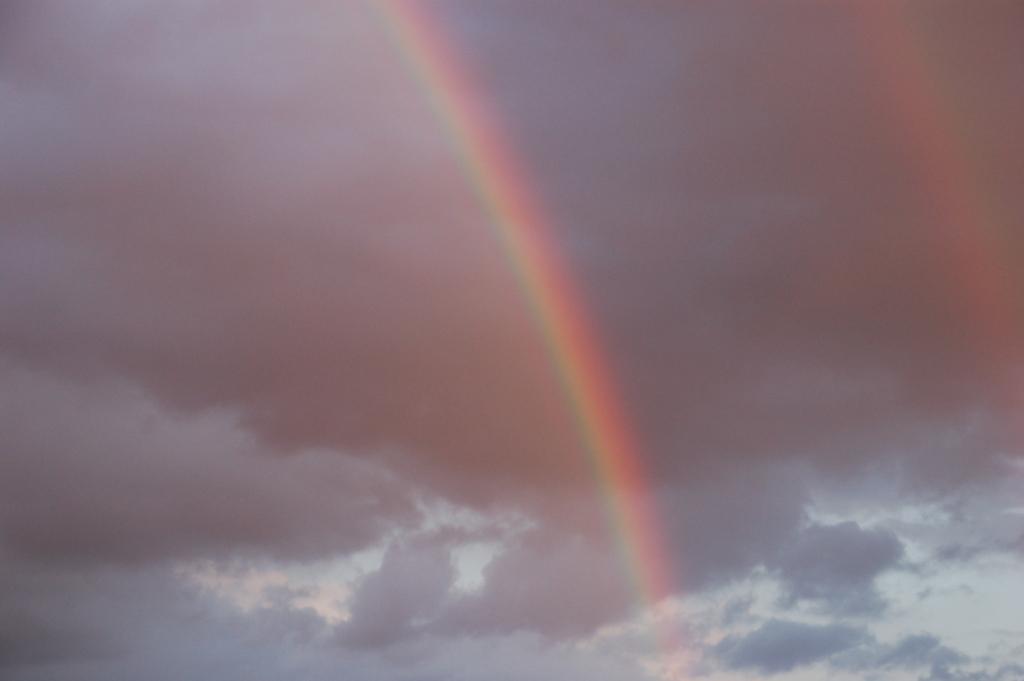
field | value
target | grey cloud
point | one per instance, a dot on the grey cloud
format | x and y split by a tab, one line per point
784	290
780	645
275	243
976	526
974	548
249	303
26	641
1009	672
913	652
735	610
99	472
959	553
917	651
723	526
560	586
407	590
836	566
121	623
314	258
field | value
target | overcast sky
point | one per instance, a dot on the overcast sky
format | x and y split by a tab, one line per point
273	406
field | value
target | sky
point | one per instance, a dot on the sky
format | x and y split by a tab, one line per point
277	403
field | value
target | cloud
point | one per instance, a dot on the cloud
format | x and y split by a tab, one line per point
236	226
1002	673
836	566
27	641
243	230
99	472
780	645
723	526
127	622
250	308
117	622
408	589
912	652
556	585
918	651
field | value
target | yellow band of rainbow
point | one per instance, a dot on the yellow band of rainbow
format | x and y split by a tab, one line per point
523	230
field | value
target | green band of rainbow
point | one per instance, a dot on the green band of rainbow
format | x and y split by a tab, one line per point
523	230
963	216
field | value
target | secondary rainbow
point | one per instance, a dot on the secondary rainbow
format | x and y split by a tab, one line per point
523	230
963	213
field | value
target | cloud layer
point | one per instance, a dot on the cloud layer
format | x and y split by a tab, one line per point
251	314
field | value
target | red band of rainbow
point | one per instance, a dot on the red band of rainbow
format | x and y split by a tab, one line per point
523	230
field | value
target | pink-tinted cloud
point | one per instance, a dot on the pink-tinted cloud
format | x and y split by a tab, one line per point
249	305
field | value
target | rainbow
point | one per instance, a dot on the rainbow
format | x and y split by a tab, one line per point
524	233
963	214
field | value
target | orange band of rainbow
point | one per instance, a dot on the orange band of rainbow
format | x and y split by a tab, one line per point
523	230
